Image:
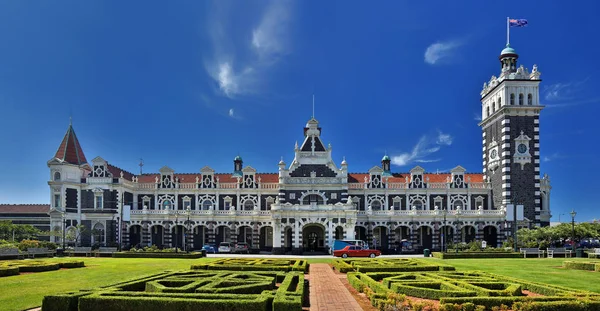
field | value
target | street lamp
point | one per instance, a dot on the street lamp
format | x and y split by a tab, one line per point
445	229
187	211
176	221
64	221
573	214
458	233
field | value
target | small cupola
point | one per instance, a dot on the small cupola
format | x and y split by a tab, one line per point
385	165
508	59
237	165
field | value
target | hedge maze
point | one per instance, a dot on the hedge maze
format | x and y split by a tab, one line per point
19	266
455	289
230	284
256	264
387	265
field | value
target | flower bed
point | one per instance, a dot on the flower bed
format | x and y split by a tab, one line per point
16	267
256	264
191	290
454	289
387	265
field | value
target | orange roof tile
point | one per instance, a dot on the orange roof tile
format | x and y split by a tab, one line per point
24	208
70	150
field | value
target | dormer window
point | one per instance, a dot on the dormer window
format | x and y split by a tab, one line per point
99	171
56	176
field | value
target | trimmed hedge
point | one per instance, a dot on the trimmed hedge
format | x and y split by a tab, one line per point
247	264
467	255
7	271
490	302
191	290
387	265
193	255
582	265
72	264
16	267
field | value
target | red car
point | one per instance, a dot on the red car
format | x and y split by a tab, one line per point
356	251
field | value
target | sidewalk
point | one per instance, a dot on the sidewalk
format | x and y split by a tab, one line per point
327	291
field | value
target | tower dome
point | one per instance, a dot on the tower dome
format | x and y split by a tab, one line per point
508	50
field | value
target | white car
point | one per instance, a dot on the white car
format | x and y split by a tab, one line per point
225	247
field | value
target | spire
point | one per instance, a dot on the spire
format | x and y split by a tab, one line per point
313	114
70	150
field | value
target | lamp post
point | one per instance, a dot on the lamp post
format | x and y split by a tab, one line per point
64	221
445	229
176	221
187	211
573	214
458	233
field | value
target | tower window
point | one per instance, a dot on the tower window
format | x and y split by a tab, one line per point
494	106
499	102
57	200
488	111
529	99
99	203
512	99
521	99
56	176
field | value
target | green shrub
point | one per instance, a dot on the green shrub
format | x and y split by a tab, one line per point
467	255
26	244
72	264
39	267
134	254
490	302
7	271
581	265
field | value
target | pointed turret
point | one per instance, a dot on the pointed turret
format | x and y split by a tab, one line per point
70	150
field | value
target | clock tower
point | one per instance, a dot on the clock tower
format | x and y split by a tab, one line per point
510	110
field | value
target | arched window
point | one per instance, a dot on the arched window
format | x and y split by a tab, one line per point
493	106
206	205
56	176
499	102
248	205
521	99
488	111
529	99
312	198
512	99
376	205
166	204
418	205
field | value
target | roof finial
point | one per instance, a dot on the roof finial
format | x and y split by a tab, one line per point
141	165
70	120
313	114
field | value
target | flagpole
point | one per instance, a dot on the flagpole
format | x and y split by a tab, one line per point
507	31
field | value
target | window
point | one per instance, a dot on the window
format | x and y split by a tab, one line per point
397	205
227	205
57	200
292	196
187	203
494	106
99	202
376	205
146	202
499	102
512	99
166	204
248	205
418	205
529	99
269	201
98	233
56	176
488	112
521	99
312	198
479	202
206	205
334	196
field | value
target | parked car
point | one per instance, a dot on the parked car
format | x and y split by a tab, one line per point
225	247
241	247
208	248
589	243
356	251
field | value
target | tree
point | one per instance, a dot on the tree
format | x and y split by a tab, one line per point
10	231
74	233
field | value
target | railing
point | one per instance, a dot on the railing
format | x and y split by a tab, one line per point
269	185
437	185
265	213
397	185
188	185
356	186
99	180
228	186
126	182
478	185
146	186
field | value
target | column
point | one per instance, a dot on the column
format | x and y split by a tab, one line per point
145	234
255	236
329	233
391	237
233	234
297	237
479	232
277	236
167	233
435	240
211	233
189	236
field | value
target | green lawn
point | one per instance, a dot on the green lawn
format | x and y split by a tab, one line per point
26	291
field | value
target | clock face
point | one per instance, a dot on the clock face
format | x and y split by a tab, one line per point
522	148
493	154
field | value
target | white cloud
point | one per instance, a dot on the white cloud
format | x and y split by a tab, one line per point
241	68
477	117
425	147
552	157
563	90
440	51
231	112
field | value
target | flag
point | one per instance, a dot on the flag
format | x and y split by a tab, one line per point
517	22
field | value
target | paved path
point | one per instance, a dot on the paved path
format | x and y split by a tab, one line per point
327	291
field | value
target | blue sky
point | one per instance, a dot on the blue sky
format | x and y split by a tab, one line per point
194	83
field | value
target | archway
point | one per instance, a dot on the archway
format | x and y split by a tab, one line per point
468	233
313	237
222	235
402	238
490	235
425	237
98	234
178	236
360	233
266	238
288	238
135	236
339	233
157	235
380	238
245	234
200	235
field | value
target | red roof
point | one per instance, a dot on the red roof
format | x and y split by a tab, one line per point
437	178
116	172
70	150
24	208
224	178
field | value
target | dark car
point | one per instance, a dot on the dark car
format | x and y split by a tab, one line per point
209	248
241	247
589	243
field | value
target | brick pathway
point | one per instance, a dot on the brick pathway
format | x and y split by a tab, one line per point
327	291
